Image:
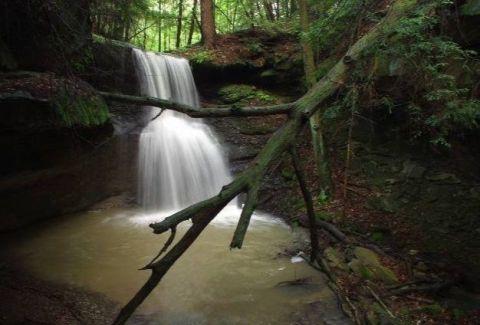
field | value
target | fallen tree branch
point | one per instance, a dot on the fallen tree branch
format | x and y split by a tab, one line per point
198	113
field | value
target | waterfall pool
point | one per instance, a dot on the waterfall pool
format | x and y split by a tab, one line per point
211	284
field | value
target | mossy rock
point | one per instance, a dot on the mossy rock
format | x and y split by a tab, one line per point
47	101
367	265
335	258
243	94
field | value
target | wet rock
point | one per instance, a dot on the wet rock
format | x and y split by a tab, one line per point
237	153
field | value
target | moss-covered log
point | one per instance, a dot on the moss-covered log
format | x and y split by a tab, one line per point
248	181
198	113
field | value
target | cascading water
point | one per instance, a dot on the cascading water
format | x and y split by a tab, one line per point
180	161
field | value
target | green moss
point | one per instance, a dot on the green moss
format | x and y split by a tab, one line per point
243	94
83	110
367	265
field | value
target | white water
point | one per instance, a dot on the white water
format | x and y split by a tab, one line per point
180	160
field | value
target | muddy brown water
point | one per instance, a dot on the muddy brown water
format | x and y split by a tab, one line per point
211	284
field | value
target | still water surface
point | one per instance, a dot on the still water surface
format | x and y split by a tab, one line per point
211	284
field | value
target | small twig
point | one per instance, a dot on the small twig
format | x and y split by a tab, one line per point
421	288
158	115
380	301
354	308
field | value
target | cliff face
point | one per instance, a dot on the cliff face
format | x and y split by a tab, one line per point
63	148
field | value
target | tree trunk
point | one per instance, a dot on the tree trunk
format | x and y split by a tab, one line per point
179	24
321	160
160	25
268	10
192	22
209	33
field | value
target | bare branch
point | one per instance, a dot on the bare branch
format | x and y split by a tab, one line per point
163	250
248	209
307	197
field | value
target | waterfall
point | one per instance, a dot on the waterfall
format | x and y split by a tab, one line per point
180	160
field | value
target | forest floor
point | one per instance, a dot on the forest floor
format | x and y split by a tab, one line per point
255	47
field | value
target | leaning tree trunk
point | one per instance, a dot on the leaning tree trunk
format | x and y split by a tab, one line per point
207	23
283	140
318	143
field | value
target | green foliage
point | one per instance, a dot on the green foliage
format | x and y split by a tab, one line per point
433	74
288	174
84	60
439	104
322	198
201	56
256	47
335	23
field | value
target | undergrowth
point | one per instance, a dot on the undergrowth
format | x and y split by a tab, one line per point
431	78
